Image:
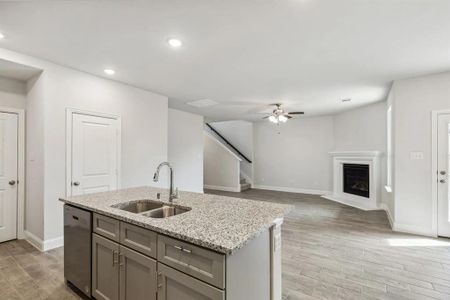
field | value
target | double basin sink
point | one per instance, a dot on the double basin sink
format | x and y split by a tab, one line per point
151	209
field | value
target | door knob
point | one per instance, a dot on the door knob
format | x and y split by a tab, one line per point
12	182
76	183
442	181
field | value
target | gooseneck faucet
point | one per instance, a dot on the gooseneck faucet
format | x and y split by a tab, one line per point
172	194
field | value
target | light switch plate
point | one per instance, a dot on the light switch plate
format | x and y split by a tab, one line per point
416	155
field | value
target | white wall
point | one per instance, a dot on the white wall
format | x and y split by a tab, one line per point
186	150
294	156
365	129
388	196
220	165
144	134
361	129
240	134
414	99
12	93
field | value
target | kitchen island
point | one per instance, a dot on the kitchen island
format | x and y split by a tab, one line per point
213	247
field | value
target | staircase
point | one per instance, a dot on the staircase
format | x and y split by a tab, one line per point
244	184
224	163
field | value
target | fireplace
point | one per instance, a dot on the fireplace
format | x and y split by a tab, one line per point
356	180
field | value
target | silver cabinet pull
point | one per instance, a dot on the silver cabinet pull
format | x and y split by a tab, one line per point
182	249
443	172
121	263
12	182
158	275
114	261
442	181
76	183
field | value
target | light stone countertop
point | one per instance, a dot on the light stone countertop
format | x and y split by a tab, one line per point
223	224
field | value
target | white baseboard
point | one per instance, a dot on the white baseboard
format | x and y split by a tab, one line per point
222	188
414	229
41	245
351	203
389	215
290	190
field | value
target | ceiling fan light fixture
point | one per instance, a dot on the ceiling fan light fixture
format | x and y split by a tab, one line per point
273	119
282	118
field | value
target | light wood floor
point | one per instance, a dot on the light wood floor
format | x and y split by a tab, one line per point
333	251
330	251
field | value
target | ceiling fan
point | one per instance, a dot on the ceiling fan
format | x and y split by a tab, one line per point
280	116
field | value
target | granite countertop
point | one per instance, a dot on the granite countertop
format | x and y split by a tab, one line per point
223	224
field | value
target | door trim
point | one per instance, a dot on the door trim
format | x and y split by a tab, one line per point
69	113
434	167
20	168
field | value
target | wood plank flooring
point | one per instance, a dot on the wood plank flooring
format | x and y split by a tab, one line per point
333	251
330	251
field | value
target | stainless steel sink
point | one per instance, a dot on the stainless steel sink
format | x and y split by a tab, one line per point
151	209
139	206
165	212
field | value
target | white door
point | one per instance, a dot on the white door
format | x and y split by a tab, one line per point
443	177
95	144
8	176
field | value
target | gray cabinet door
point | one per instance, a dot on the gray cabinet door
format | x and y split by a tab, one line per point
106	226
105	268
137	276
138	238
174	285
206	265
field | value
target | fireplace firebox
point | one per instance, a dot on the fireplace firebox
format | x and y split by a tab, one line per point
356	180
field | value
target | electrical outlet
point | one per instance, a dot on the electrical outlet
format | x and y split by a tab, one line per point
416	155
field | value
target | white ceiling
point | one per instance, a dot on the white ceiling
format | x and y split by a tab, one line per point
244	54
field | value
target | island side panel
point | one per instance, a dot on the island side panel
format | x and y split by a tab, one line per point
249	270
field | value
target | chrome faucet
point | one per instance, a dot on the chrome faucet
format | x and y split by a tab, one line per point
172	194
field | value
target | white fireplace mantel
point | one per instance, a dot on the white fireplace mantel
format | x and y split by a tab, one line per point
370	158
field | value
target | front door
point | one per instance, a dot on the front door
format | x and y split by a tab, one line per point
8	176
443	177
95	144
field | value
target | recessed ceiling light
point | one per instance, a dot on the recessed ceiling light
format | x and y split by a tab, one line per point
109	71
2	36
346	100
175	43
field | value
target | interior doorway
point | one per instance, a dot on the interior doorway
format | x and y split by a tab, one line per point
93	152
12	135
443	167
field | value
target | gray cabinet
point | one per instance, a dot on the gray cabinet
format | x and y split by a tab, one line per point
138	238
174	285
121	273
106	226
137	276
105	268
198	262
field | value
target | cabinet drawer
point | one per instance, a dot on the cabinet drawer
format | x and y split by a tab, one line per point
106	226
203	264
138	238
175	285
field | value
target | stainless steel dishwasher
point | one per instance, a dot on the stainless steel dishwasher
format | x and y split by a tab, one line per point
77	248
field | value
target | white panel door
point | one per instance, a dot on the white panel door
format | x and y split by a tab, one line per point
8	176
443	178
95	145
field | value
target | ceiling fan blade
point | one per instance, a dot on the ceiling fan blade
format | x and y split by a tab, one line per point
296	113
288	116
266	117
